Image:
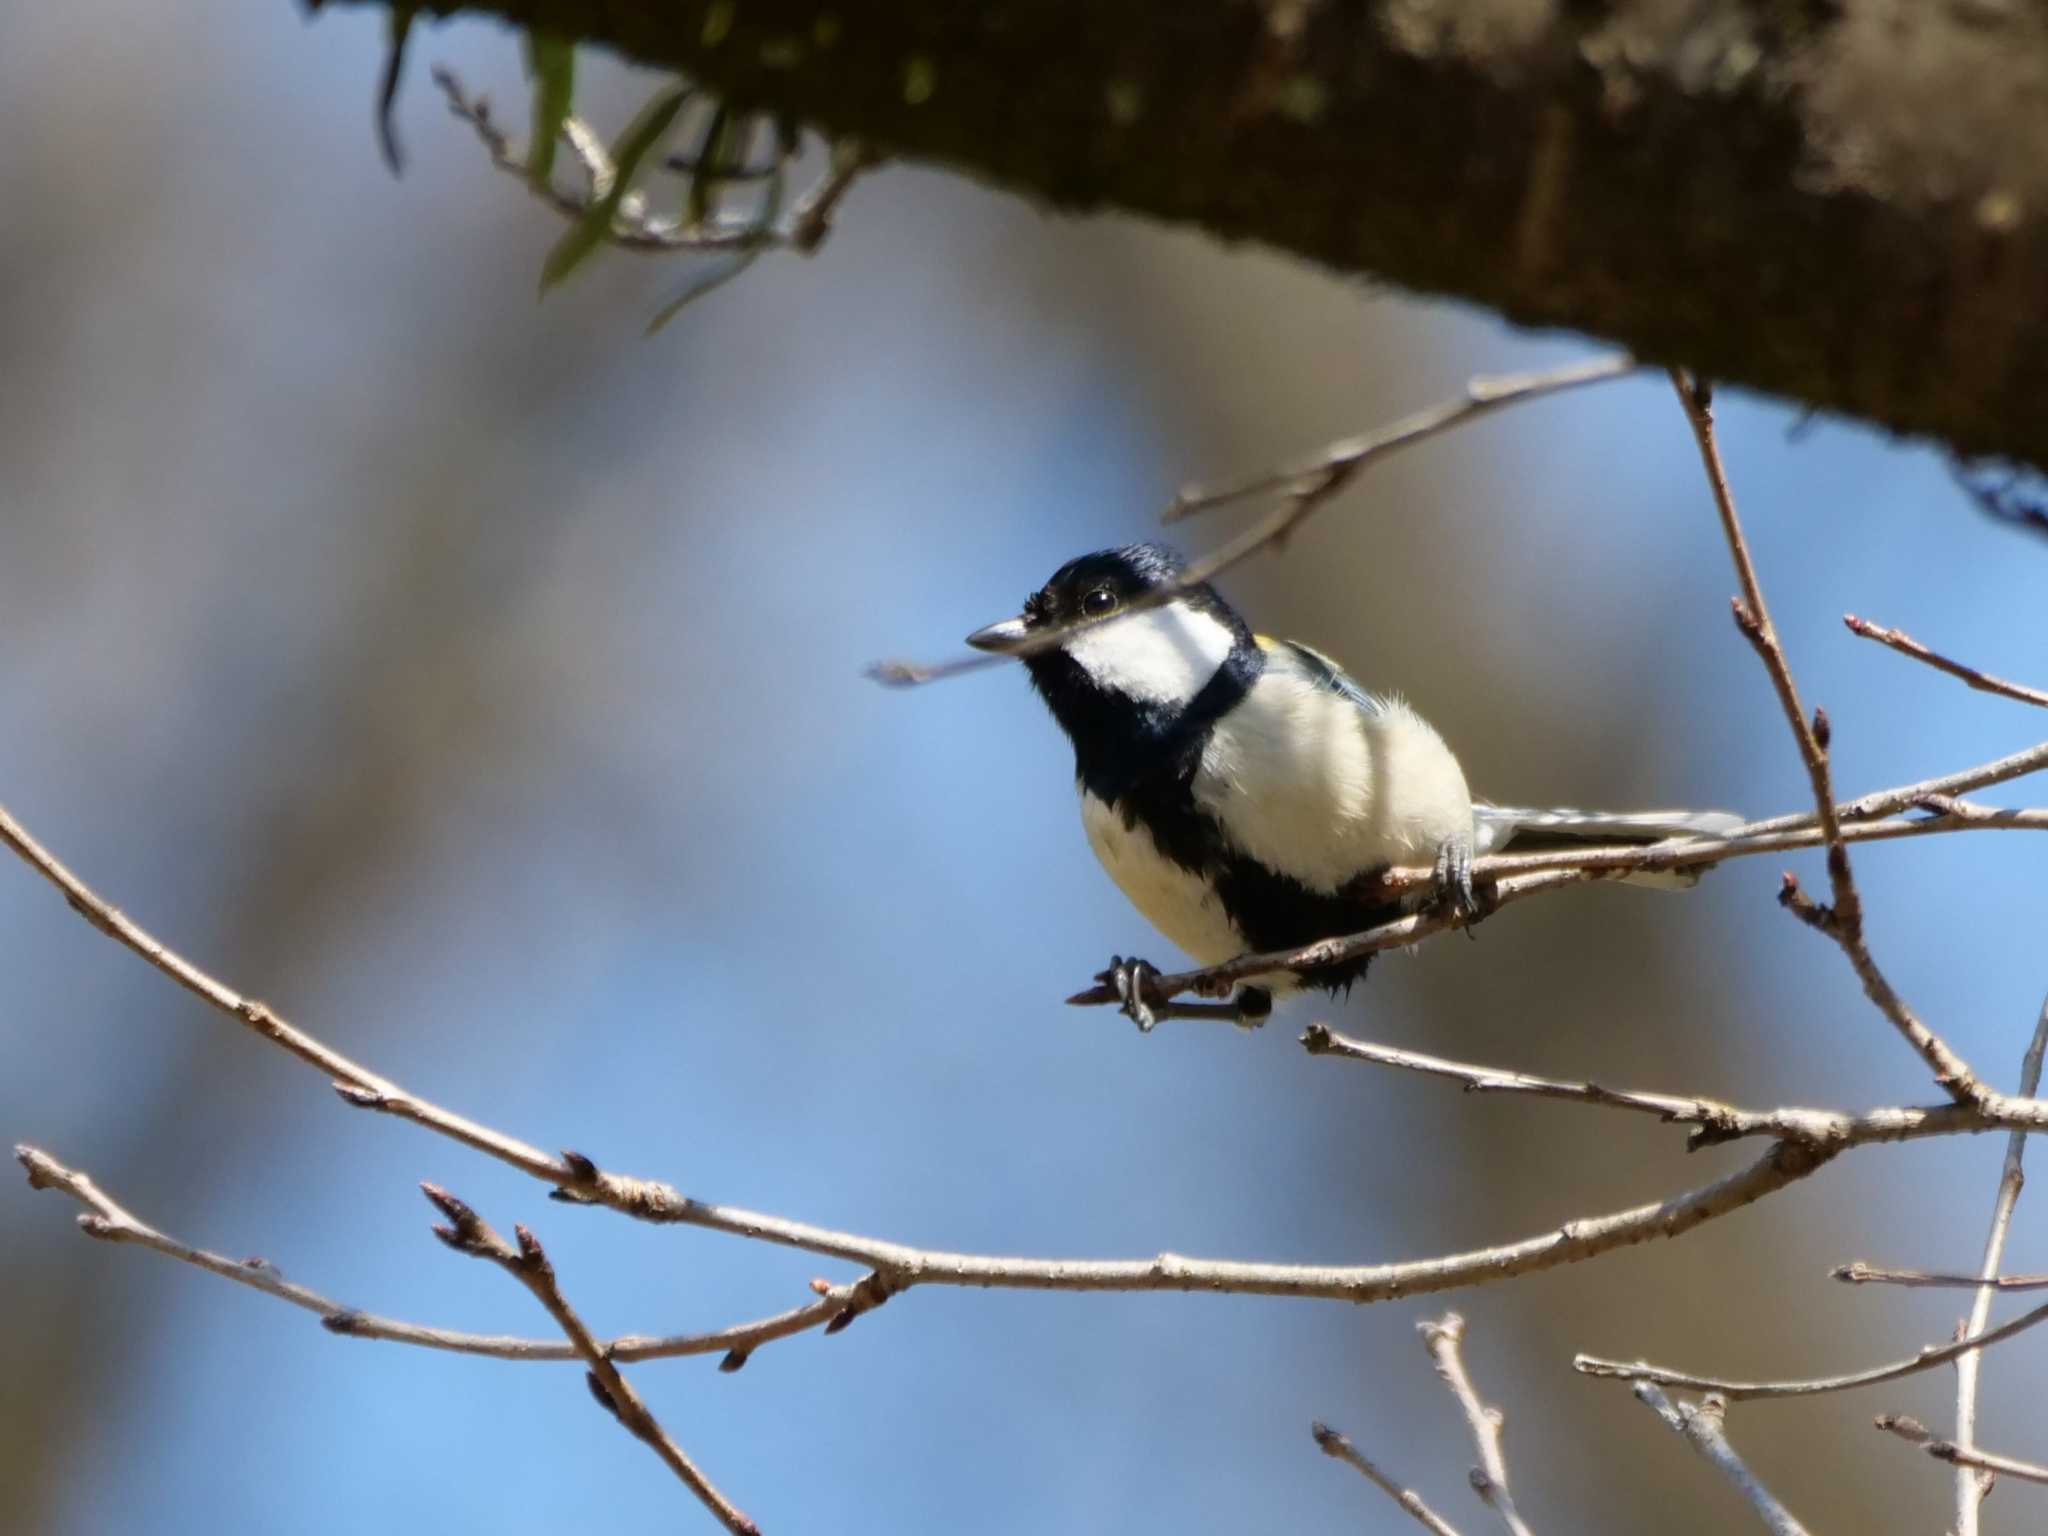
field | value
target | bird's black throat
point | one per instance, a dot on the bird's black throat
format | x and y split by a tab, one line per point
1121	743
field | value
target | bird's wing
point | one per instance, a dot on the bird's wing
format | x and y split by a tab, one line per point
1325	673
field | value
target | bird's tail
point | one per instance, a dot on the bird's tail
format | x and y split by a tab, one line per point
1520	829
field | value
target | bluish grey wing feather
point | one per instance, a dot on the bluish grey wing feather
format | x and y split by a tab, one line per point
1499	828
1325	673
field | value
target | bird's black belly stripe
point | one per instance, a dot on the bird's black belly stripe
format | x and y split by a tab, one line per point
1269	909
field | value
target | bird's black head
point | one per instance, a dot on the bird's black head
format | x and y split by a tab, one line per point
1096	585
1140	672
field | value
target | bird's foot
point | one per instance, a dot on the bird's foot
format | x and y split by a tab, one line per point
1130	979
1455	895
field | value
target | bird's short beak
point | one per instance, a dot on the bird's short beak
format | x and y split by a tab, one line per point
1006	636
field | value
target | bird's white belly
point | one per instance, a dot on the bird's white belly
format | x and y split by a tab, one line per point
1314	788
1174	900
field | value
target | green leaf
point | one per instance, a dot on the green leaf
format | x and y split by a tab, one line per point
399	24
716	277
641	135
551	64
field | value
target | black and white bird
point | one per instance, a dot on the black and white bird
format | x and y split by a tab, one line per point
1244	792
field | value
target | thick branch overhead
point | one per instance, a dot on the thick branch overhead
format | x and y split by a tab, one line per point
1840	201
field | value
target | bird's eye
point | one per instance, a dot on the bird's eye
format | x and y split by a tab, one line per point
1098	602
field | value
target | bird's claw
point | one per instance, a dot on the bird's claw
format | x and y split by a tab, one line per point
1455	893
1132	981
1129	979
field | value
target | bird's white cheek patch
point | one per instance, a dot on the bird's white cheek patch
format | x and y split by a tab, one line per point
1163	656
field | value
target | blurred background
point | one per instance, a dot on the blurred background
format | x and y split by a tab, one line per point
481	684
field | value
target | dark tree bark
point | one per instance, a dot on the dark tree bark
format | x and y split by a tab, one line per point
1840	201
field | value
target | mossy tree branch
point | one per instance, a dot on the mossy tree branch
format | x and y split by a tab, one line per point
1840	201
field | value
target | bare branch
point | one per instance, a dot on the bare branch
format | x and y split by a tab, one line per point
112	1222
1726	1120
1339	1448
1979	1465
1304	488
1843	921
1734	1391
1512	877
1444	1339
811	220
581	1181
589	149
1752	617
578	1179
1906	645
1860	1273
1944	814
357	1084
1970	1486
1714	1122
468	1233
1333	467
1886	802
1703	1427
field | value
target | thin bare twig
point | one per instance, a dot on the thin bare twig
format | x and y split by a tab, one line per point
1444	1339
1321	1040
1843	920
1906	645
634	228
580	1180
1979	1464
1713	1122
468	1233
1343	458
1751	614
1515	877
1859	1273
1304	488
589	149
1926	1359
1703	1426
898	1266
108	1220
1339	1448
1970	1486
1886	802
811	220
1943	814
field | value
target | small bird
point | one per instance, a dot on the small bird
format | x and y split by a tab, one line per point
1245	793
